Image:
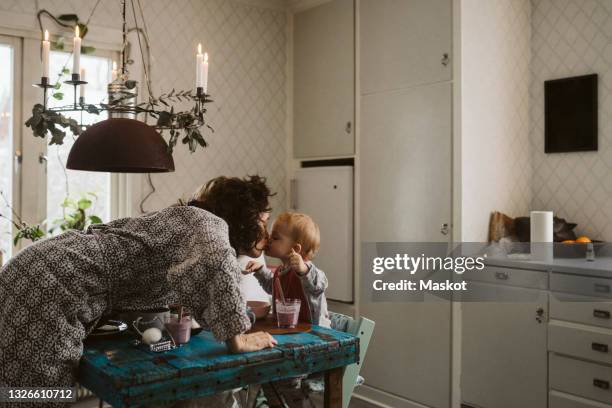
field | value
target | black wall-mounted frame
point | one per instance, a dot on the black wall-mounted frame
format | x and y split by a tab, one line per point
571	114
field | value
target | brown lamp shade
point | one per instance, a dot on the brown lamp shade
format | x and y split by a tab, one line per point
120	145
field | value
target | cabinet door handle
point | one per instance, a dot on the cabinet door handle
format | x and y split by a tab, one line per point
540	315
603	384
445	59
602	288
602	348
601	314
349	127
444	229
501	275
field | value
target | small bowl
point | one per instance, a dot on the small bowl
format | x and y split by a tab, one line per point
259	307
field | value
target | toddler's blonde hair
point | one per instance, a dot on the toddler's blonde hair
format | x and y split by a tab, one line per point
303	230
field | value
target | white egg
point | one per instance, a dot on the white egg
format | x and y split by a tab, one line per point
151	335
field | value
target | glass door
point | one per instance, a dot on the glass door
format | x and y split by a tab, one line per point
9	142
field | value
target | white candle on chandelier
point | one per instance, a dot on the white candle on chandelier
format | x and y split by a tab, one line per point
82	86
114	72
76	52
199	59
46	45
205	73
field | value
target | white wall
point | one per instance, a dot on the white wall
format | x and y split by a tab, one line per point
573	38
246	40
495	159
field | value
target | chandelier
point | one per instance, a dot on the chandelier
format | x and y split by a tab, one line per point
123	143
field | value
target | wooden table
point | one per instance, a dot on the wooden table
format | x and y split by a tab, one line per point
123	375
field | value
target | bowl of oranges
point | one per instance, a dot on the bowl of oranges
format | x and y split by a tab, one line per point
576	248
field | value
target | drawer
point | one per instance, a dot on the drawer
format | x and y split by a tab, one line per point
587	342
561	400
588	380
581	285
524	278
581	309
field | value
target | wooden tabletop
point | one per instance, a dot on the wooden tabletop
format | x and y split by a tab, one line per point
123	375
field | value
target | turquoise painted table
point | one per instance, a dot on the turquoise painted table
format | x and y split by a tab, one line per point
124	376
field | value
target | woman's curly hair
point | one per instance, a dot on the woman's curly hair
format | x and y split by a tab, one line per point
239	202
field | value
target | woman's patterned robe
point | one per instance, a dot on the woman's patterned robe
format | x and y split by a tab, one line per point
55	291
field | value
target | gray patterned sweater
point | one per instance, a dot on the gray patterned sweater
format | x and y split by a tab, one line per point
53	292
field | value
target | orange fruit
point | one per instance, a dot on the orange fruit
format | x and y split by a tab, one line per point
583	240
568	241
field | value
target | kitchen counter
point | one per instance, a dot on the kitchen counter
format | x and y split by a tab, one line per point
600	267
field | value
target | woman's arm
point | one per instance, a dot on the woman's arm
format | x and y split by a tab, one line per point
244	343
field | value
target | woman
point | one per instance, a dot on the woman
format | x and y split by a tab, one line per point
55	291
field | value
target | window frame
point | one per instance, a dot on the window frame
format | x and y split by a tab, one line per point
17	118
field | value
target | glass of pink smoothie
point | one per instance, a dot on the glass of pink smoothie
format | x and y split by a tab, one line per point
287	313
179	330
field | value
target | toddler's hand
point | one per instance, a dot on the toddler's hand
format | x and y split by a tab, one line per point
296	262
252	266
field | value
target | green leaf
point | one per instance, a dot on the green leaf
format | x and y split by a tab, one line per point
94	219
57	45
93	109
87	49
57	85
68	203
58	95
164	119
68	17
57	136
65	71
84	203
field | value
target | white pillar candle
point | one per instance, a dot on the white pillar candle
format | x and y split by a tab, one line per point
541	231
205	73
199	60
46	46
82	86
76	52
114	72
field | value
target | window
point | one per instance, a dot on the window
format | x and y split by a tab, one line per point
6	146
62	183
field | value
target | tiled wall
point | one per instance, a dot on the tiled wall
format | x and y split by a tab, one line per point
573	38
246	42
496	168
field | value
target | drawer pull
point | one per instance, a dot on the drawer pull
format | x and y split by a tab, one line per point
601	314
603	348
603	384
501	275
601	288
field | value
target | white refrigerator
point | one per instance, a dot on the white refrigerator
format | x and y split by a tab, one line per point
326	194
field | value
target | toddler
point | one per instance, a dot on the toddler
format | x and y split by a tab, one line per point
295	240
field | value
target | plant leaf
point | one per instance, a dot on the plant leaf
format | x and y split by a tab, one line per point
68	17
94	219
58	95
84	203
87	49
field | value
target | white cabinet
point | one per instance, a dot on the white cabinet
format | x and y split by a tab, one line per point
504	357
326	194
406	164
324	80
405	197
404	43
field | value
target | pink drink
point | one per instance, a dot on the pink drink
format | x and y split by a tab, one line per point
288	313
180	331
